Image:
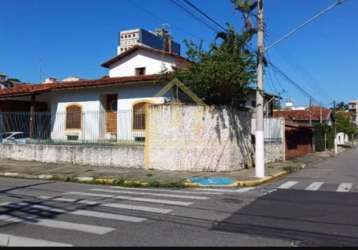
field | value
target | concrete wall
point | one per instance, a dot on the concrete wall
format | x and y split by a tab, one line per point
197	138
274	151
111	156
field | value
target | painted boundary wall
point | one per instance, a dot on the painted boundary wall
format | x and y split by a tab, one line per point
126	156
197	138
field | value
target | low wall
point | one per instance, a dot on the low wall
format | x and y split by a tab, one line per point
197	138
274	151
103	156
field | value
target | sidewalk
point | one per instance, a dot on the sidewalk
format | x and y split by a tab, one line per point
142	177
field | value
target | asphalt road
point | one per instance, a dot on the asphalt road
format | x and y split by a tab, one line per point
316	207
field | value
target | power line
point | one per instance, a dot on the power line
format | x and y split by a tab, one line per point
189	12
155	16
295	84
204	14
338	2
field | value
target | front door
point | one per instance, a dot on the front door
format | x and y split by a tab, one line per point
111	113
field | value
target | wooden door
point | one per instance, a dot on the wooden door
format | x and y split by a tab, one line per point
111	113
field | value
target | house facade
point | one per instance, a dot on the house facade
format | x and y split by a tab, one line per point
111	108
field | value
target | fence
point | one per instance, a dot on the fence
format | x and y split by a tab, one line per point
119	127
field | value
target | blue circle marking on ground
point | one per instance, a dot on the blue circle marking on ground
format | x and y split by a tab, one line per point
212	181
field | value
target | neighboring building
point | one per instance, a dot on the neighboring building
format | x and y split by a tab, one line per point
315	115
353	110
160	39
6	82
269	100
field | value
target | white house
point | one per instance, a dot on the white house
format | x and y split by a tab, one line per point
107	108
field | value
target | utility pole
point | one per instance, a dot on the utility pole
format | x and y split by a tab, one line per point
259	138
335	128
310	111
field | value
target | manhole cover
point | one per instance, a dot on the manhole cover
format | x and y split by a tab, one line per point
212	181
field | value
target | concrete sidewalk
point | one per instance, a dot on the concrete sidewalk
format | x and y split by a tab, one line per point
142	177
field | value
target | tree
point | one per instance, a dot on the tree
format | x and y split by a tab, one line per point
222	75
342	106
345	125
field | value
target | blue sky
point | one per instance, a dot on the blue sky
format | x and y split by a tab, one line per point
73	37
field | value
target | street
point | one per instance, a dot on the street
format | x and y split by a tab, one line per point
315	207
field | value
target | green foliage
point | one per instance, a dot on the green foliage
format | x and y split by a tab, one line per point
323	137
221	76
342	106
345	125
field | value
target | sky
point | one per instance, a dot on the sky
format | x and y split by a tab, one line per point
60	38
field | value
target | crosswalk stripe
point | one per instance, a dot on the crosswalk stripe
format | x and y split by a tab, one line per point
167	202
314	186
139	208
240	190
59	224
83	212
344	187
151	194
16	241
288	185
168	190
108	216
112	205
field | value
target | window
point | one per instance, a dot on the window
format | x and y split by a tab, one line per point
140	71
139	116
253	104
73	117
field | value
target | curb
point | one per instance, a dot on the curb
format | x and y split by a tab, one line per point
253	183
110	181
244	183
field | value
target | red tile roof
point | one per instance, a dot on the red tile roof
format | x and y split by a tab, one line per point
304	115
28	89
139	47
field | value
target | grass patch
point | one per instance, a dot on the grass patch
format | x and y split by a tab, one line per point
292	168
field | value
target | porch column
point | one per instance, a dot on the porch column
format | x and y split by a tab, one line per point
32	116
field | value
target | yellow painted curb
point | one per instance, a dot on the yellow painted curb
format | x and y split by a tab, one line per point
105	180
252	183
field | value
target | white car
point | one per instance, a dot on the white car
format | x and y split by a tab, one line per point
13	138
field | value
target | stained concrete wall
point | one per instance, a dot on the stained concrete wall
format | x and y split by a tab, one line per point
274	151
197	138
104	156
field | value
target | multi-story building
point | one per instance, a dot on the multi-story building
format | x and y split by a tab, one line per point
160	39
353	109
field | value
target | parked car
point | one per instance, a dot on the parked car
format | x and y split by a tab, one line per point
13	138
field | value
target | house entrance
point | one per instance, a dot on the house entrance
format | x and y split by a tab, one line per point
111	114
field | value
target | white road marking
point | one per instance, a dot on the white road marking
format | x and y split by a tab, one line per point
91	194
314	186
167	202
151	194
139	208
108	216
168	190
59	224
240	190
112	205
288	185
88	213
344	187
16	241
